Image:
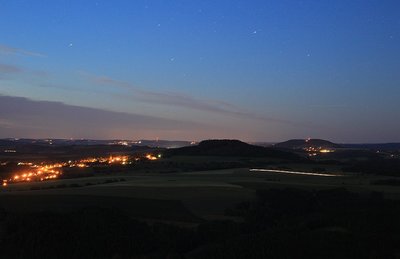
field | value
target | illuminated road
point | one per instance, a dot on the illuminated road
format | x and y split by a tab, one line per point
293	172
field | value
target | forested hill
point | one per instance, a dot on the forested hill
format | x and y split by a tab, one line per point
227	147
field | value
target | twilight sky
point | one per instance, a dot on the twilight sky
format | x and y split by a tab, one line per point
262	70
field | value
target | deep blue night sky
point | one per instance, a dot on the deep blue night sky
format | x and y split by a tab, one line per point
253	70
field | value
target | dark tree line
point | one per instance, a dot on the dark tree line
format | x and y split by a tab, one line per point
285	223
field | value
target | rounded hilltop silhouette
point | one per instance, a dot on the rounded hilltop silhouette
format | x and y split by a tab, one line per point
230	147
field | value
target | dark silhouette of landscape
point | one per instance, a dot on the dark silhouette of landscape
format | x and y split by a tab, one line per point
212	199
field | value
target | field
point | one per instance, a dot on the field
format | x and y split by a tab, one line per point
175	197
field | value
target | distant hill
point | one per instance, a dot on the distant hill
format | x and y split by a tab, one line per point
302	143
93	142
227	147
40	150
377	146
164	143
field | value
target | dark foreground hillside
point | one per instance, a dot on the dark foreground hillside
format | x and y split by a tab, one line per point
285	223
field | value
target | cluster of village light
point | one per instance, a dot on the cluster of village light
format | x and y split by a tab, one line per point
35	173
313	151
44	172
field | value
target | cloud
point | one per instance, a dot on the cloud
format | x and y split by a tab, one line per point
41	73
17	51
169	98
9	69
108	80
186	101
58	86
22	117
328	106
6	123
